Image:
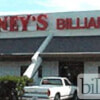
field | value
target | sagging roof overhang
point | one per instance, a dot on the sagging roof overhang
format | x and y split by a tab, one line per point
66	48
15	46
87	56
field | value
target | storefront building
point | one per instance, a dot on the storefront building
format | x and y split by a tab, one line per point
73	49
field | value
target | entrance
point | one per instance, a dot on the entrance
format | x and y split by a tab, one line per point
71	70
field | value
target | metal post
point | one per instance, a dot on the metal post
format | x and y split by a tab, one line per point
36	59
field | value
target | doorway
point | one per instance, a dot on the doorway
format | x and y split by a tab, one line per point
71	70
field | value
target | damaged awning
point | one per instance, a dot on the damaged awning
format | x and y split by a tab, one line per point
58	48
73	48
20	46
74	44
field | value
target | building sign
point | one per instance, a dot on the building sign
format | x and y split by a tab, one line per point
41	23
13	23
67	23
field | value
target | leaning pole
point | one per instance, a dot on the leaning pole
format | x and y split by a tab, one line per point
36	59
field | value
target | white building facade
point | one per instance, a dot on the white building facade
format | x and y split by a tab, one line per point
73	49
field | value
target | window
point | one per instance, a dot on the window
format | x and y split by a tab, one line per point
52	82
23	69
66	83
40	72
71	69
99	69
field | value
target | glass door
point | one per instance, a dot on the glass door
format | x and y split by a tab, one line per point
71	70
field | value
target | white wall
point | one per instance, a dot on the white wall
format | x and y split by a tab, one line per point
11	68
91	72
50	68
52	26
91	67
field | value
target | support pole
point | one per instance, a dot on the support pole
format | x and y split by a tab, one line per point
36	59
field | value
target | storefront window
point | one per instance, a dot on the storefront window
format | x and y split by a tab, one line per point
23	69
71	70
99	69
40	72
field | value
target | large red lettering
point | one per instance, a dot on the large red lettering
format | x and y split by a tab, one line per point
71	24
3	23
61	24
24	21
42	23
86	22
92	23
13	23
78	23
98	22
68	23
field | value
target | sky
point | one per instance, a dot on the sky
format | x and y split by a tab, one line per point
44	6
